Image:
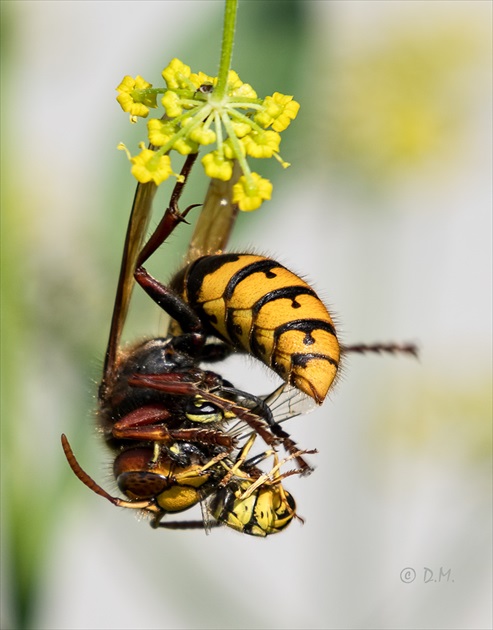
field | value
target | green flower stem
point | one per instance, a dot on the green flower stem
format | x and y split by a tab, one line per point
209	120
140	95
226	48
246	102
238	150
239	117
219	133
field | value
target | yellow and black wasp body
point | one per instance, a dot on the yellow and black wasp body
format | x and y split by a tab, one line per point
258	306
239	494
167	420
268	510
257	510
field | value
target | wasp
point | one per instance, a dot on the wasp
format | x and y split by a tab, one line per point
253	502
166	418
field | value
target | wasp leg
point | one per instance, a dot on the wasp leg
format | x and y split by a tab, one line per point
148	423
190	383
169	301
239	461
158	433
274	476
183	524
262	409
172	217
164	297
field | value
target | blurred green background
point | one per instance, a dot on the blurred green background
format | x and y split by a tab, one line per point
386	209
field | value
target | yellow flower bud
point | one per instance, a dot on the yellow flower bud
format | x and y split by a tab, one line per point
241	129
176	74
171	103
249	195
234	81
278	111
284	119
244	91
185	146
217	166
202	136
149	166
262	145
230	151
159	132
129	98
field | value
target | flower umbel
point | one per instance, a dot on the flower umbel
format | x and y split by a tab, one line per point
237	124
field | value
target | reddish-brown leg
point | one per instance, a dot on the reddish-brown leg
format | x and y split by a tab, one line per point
172	217
148	423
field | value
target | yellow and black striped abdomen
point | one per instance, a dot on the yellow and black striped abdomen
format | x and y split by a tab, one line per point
259	306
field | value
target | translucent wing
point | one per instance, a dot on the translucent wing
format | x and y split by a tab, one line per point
288	402
136	231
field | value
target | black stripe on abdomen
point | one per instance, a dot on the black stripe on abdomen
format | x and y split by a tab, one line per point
260	266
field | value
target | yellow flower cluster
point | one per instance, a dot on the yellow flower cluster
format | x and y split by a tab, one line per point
237	122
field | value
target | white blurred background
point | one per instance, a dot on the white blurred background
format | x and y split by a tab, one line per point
386	209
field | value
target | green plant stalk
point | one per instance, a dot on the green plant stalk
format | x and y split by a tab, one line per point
230	10
218	214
